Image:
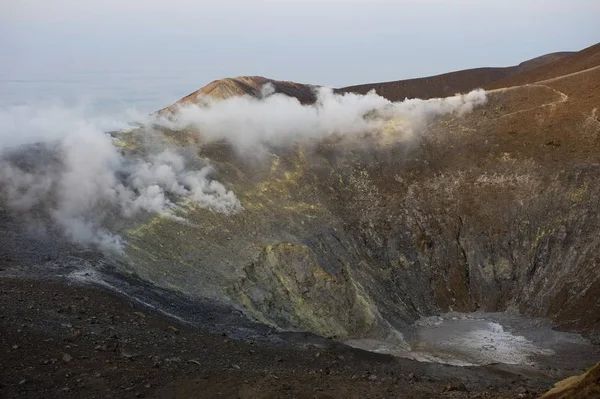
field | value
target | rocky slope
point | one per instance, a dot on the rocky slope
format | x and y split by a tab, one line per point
583	386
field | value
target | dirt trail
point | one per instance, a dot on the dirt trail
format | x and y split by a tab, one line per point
564	98
542	83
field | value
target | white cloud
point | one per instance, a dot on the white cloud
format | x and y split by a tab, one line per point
278	119
63	167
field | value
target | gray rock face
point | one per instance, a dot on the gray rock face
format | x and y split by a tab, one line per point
354	240
287	287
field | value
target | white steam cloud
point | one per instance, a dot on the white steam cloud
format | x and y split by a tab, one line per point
85	178
60	163
278	119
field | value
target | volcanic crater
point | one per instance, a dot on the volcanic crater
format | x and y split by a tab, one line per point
470	241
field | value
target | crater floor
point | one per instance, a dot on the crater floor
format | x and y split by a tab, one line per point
67	341
475	339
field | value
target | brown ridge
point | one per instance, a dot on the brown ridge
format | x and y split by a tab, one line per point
245	85
585	59
544	67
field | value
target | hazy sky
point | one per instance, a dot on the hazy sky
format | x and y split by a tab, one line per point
330	42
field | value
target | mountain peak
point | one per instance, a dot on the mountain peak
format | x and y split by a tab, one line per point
222	89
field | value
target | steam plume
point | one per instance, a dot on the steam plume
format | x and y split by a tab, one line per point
62	166
278	119
58	162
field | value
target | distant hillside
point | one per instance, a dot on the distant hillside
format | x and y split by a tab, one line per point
246	85
451	83
540	68
575	62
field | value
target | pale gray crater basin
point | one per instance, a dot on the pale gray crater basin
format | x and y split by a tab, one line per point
477	339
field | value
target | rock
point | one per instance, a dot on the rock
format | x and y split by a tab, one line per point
96	329
412	378
173	330
372	377
67	358
584	386
521	390
128	355
455	387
